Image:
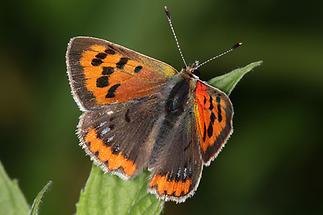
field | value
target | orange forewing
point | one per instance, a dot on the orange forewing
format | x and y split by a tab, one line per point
112	73
213	112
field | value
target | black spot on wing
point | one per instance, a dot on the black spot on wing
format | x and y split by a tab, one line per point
96	62
218	99
138	69
112	90
111	47
101	55
110	51
213	117
122	62
107	70
211	104
103	81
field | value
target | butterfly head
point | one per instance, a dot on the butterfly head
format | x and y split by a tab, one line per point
192	70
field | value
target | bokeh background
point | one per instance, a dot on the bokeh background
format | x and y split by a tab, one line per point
273	162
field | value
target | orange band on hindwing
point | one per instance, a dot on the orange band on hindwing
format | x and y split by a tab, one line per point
105	155
170	187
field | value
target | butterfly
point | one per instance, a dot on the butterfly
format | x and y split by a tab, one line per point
141	113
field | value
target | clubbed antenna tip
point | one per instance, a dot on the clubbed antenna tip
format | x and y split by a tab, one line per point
167	12
175	37
223	53
237	45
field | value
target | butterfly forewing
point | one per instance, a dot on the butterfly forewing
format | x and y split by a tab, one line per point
213	111
102	73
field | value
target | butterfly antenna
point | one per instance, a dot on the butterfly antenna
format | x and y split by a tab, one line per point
173	31
217	56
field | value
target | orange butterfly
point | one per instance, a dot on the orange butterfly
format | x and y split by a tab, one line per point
141	113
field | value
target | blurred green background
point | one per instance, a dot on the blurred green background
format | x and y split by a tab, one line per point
272	163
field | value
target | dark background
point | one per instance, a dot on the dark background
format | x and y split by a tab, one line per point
273	162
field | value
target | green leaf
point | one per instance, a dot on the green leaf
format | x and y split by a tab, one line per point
228	81
35	207
108	194
12	201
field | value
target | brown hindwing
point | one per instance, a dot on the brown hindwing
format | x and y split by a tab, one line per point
175	162
116	136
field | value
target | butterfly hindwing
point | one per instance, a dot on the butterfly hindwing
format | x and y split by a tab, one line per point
213	111
102	72
177	169
117	136
175	162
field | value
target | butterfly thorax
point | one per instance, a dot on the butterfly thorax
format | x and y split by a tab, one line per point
177	94
180	90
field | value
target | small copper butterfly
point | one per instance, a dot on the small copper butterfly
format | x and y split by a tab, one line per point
140	113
